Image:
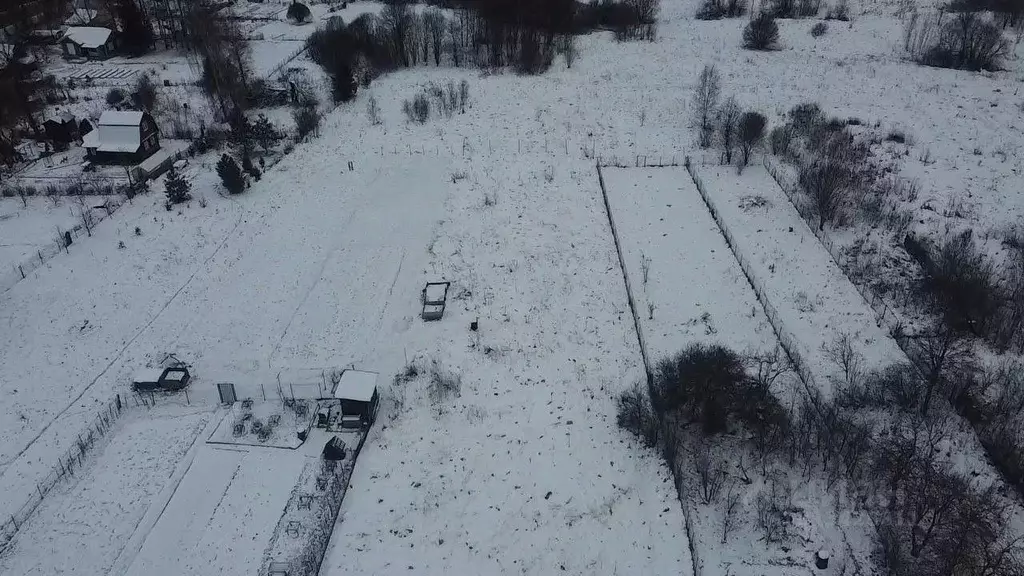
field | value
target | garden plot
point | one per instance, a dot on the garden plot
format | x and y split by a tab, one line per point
269	424
498	450
687	284
82	528
223	513
815	301
25	230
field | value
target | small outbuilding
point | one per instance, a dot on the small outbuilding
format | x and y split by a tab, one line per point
357	392
122	138
92	42
61	130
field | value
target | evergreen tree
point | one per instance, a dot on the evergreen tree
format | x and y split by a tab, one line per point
136	31
178	189
230	174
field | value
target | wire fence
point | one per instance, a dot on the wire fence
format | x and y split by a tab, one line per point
70	463
885	314
786	338
63	240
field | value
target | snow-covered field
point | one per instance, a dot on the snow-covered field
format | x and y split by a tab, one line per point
524	469
24	230
83	527
696	287
815	300
222	515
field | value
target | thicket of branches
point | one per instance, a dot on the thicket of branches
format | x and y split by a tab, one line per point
930	520
967	40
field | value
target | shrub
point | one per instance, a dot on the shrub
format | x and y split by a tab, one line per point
963	283
264	133
701	384
761	33
819	29
635	415
307	121
782	8
230	174
781	140
115	96
299	13
969	41
717	9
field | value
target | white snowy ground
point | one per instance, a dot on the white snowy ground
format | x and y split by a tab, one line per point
83	526
26	229
815	300
222	515
221	283
692	273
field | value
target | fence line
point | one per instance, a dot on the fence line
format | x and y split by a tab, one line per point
625	276
21	271
786	339
676	474
885	315
69	463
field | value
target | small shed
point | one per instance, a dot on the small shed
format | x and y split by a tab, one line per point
122	138
92	42
357	392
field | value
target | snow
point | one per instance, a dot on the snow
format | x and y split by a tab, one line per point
118	131
697	289
222	515
147	375
88	36
81	529
356	385
24	230
815	300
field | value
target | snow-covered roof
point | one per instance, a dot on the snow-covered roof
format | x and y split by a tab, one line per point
147	375
91	140
120	118
356	385
119	131
88	36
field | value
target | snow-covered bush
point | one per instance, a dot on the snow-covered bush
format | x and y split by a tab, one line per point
965	41
819	29
761	33
717	9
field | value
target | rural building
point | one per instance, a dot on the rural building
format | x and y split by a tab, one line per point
94	43
61	130
122	138
357	391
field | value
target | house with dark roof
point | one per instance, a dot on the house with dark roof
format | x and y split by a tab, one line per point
122	138
92	42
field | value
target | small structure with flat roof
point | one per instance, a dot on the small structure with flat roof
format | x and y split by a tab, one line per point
357	392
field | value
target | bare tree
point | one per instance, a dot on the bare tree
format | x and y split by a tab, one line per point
842	353
732	506
398	21
434	28
373	111
728	123
942	353
751	133
85	215
710	472
705	101
829	181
